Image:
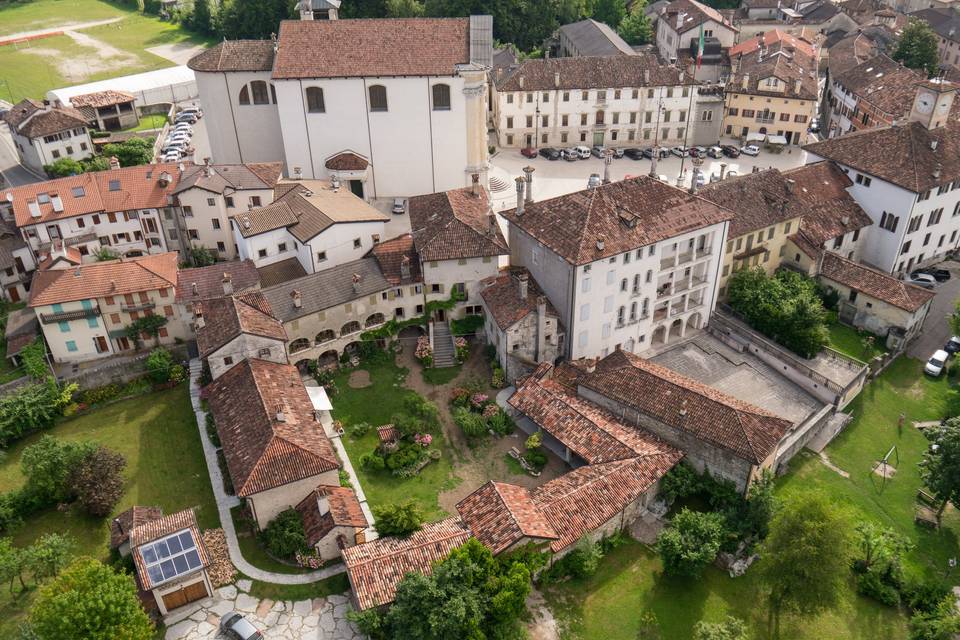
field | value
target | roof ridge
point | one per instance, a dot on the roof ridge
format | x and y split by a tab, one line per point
602	469
513	517
447	536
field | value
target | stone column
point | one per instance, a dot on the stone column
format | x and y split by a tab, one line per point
475	98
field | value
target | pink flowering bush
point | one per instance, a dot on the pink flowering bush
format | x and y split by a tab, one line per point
459	397
490	410
423	439
478	400
463	349
311	560
424	352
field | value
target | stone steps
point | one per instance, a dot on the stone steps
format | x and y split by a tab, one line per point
444	352
498	185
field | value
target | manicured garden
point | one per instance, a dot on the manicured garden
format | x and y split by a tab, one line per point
157	435
630	580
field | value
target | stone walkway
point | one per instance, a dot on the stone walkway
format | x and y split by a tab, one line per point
316	619
226	502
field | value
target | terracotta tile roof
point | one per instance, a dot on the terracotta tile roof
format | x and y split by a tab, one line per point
277	215
614	218
375	568
387	433
500	515
226	318
139	187
124	523
261	451
901	154
580	501
204	283
597	72
391	255
326	289
694	14
804	244
346	161
343	510
687	405
164	526
235	55
101	99
778	63
758	200
33	119
277	273
829	211
372	47
60	254
873	283
99	279
501	297
455	224
219	178
882	83
15	344
770	38
589	431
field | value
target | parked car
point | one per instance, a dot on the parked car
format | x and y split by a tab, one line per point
941	275
179	145
715	152
171	156
953	345
550	153
750	150
617	152
935	364
584	152
664	179
598	150
528	152
701	179
594	181
633	153
399	206
924	280
732	174
571	155
698	152
234	626
186	117
680	151
730	151
814	126
192	109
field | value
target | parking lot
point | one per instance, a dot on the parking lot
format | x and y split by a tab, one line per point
557	177
936	328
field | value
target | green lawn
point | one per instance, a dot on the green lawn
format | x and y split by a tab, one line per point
375	404
148	122
253	553
47	14
849	341
157	434
31	69
330	586
630	581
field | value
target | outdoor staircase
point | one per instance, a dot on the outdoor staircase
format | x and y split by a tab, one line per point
444	353
498	185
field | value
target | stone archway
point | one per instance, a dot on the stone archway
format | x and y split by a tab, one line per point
299	345
373	320
328	358
303	366
351	327
659	335
325	336
693	322
676	329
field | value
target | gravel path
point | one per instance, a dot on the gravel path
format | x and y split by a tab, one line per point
63	28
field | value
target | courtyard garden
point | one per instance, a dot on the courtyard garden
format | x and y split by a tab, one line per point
630	579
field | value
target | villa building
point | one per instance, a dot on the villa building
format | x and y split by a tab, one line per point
44	134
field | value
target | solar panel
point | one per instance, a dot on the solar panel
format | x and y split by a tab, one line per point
170	557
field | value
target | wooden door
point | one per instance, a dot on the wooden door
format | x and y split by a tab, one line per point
195	591
185	595
174	599
14	294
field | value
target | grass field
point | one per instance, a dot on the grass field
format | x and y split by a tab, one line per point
18	17
849	341
31	69
375	404
630	580
157	434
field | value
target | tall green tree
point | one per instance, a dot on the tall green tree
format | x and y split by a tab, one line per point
130	152
398	518
404	8
611	12
806	558
917	48
48	555
690	542
256	19
91	601
12	563
97	480
635	28
63	167
201	20
47	465
940	465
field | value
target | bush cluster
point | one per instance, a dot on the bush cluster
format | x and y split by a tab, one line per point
477	414
412	451
284	536
583	560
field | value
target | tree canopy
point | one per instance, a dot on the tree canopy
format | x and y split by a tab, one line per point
690	542
917	47
256	19
398	518
130	152
940	465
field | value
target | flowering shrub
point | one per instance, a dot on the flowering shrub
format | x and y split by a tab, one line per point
490	410
459	397
424	352
478	400
463	349
499	379
423	439
310	560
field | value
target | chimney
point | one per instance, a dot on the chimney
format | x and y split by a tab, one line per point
680	77
523	284
297	173
356	282
194	288
520	183
113	285
933	145
492	221
56	202
791	185
556	80
520	81
646	77
600	244
323	505
405	268
227	283
936	170
680	16
745	81
723	170
246	222
845	220
164	179
541	328
528	172
797	85
475	185
198	318
693	182
114	162
35	208
297	299
280	416
591	365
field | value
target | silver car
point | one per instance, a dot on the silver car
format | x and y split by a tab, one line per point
236	627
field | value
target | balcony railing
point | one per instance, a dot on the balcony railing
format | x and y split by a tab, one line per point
684	258
763	120
67	316
668	262
660	314
140	306
704	252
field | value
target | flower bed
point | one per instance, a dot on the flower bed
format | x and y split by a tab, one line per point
424	352
477	415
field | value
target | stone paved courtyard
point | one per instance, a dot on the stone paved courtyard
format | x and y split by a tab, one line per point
316	619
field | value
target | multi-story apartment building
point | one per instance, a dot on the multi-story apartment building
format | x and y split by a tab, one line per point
122	210
876	92
458	243
84	310
315	223
406	97
43	134
632	264
209	195
945	21
611	100
772	91
906	177
767	210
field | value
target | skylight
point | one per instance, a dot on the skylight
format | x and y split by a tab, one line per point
114	185
43	198
78	192
170	557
